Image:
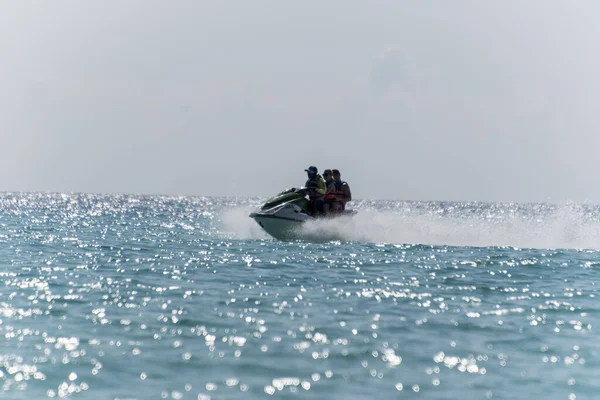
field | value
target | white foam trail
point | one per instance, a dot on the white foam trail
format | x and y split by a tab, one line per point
237	222
566	227
562	230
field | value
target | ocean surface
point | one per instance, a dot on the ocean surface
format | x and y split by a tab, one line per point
150	297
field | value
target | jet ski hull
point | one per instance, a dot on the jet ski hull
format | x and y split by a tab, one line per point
281	229
282	222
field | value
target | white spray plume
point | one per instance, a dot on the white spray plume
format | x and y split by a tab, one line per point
453	224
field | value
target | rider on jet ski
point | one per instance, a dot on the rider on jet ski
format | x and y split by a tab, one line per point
317	190
338	192
342	191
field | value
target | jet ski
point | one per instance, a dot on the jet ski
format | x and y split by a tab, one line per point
282	216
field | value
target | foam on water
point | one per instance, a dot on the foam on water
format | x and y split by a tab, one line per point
240	225
455	224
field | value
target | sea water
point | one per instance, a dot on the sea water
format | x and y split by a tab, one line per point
150	297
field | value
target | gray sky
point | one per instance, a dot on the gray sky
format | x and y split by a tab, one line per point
427	100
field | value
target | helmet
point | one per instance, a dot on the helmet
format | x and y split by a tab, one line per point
312	170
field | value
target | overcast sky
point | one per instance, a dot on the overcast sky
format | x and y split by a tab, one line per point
421	100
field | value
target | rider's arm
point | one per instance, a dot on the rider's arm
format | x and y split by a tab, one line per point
347	192
321	187
330	187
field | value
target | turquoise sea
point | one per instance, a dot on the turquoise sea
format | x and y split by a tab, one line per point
150	297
